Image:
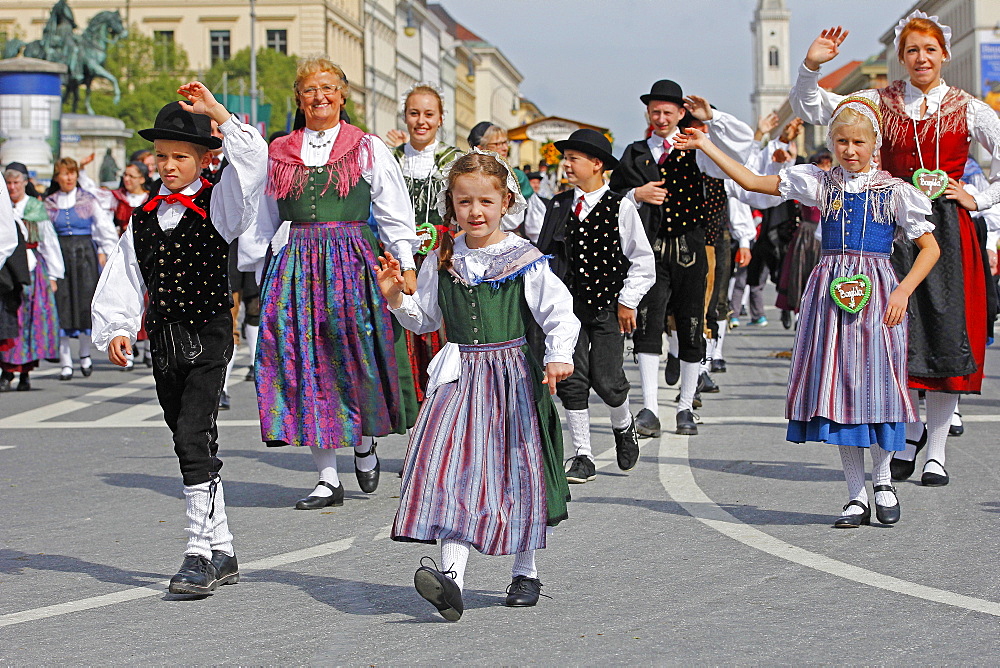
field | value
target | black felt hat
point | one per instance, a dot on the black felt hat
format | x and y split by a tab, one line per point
666	90
175	123
477	132
592	143
18	167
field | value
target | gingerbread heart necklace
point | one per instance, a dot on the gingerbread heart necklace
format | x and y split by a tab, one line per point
852	293
931	182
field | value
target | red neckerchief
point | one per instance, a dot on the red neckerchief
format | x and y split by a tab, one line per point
178	198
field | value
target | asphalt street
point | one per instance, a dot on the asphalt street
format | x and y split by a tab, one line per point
715	549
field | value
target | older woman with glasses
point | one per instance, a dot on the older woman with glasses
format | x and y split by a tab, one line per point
326	370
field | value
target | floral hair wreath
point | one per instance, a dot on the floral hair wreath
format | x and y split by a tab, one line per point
518	204
866	108
917	14
422	84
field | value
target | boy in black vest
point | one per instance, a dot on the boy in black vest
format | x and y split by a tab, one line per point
668	188
177	248
601	252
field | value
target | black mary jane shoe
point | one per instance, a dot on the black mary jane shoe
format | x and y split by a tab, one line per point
368	480
227	569
886	514
197	576
900	469
626	446
24	383
855	520
86	370
66	373
440	589
928	479
317	502
523	592
956	429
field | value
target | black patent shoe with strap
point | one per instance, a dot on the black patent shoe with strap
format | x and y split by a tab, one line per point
317	502
929	479
886	514
900	469
855	520
367	480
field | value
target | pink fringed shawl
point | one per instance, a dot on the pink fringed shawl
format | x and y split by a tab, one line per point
287	175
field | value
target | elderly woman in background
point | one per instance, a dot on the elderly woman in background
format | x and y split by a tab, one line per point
86	237
326	370
37	315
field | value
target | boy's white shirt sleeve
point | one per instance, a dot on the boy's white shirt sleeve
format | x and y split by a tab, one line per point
8	227
236	198
985	128
642	271
119	298
732	136
49	249
534	217
741	223
551	304
990	216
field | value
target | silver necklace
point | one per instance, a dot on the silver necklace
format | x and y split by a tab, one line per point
319	135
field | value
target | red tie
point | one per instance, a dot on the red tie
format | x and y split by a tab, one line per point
666	151
175	198
579	207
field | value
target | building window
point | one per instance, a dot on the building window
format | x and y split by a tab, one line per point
278	40
41	115
163	49
10	112
219	41
772	56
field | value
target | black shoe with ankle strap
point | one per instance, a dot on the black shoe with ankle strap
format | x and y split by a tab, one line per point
900	469
929	479
855	520
317	502
367	480
886	514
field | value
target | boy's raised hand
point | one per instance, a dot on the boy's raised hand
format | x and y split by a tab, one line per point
699	107
201	101
826	47
390	279
118	349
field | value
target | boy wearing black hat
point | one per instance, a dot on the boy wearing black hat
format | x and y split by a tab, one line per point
601	252
176	248
668	188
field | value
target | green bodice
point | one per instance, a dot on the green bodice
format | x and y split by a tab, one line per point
310	206
481	313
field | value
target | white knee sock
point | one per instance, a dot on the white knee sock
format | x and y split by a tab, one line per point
914	432
454	557
579	432
649	375
689	384
199	526
853	459
326	464
65	353
621	416
222	538
672	344
720	339
365	463
524	564
85	360
880	474
706	364
229	371
252	341
940	408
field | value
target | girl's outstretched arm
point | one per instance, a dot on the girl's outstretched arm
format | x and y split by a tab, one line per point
922	265
694	138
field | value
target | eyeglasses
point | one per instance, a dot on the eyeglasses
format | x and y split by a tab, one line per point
313	91
498	144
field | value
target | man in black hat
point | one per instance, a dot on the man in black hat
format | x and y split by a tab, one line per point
668	188
600	251
176	248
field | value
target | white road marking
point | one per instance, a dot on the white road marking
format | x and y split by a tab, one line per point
678	481
66	406
7	447
159	588
384	532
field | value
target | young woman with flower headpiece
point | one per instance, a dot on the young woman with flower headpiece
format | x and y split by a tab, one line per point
928	128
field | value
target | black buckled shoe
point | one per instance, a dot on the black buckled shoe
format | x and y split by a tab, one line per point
647	424
196	576
855	520
523	592
956	429
440	589
686	424
900	469
317	502
928	479
224	401
581	469
672	370
719	365
227	569
706	384
886	514
86	370
368	480
626	446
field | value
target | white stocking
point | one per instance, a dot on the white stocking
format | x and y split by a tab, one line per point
222	538
649	375
199	525
689	384
621	416
326	465
454	556
85	361
229	371
364	464
853	459
579	432
673	345
252	341
65	353
880	474
524	564
940	408
723	327
914	432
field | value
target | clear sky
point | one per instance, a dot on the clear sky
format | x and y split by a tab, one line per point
590	60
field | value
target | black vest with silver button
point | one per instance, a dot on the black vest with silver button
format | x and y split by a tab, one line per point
186	270
683	208
597	266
